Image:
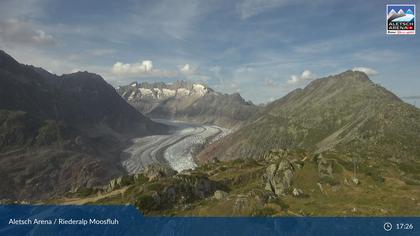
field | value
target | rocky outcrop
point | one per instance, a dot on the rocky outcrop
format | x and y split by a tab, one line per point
278	177
114	184
138	92
251	203
220	195
241	204
147	96
325	166
275	155
120	182
193	186
156	171
297	192
176	191
187	101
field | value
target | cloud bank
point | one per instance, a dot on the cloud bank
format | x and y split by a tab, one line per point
145	68
366	70
299	79
140	69
20	32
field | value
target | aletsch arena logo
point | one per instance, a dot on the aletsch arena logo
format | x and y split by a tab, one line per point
401	19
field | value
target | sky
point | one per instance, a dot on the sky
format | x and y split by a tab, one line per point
262	49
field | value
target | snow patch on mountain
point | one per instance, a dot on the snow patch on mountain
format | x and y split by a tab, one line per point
159	91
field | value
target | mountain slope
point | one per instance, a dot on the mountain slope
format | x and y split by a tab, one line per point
284	183
189	102
58	133
342	146
347	113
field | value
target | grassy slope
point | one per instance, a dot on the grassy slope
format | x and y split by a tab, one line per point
346	112
382	191
347	118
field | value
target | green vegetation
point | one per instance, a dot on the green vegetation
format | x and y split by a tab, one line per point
346	113
241	186
146	203
51	132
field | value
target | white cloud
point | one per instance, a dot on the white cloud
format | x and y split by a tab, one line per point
299	79
146	68
366	70
143	67
187	69
19	32
120	68
190	72
41	37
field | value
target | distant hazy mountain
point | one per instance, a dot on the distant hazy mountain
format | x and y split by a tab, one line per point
58	133
188	101
346	113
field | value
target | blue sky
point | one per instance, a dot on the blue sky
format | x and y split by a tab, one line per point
260	48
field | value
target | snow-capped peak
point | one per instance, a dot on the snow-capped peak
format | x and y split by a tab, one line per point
159	91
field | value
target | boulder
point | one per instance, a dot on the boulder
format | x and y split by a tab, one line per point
278	177
241	205
260	197
276	155
325	167
220	195
114	184
355	180
297	192
321	189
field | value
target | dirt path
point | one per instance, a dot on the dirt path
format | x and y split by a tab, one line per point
81	201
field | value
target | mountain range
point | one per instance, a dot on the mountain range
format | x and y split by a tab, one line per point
188	101
342	145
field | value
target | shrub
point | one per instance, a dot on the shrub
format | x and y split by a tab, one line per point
329	180
146	203
266	211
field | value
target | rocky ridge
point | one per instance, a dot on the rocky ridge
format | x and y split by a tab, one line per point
59	133
188	101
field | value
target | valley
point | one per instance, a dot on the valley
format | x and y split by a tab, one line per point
343	145
176	148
